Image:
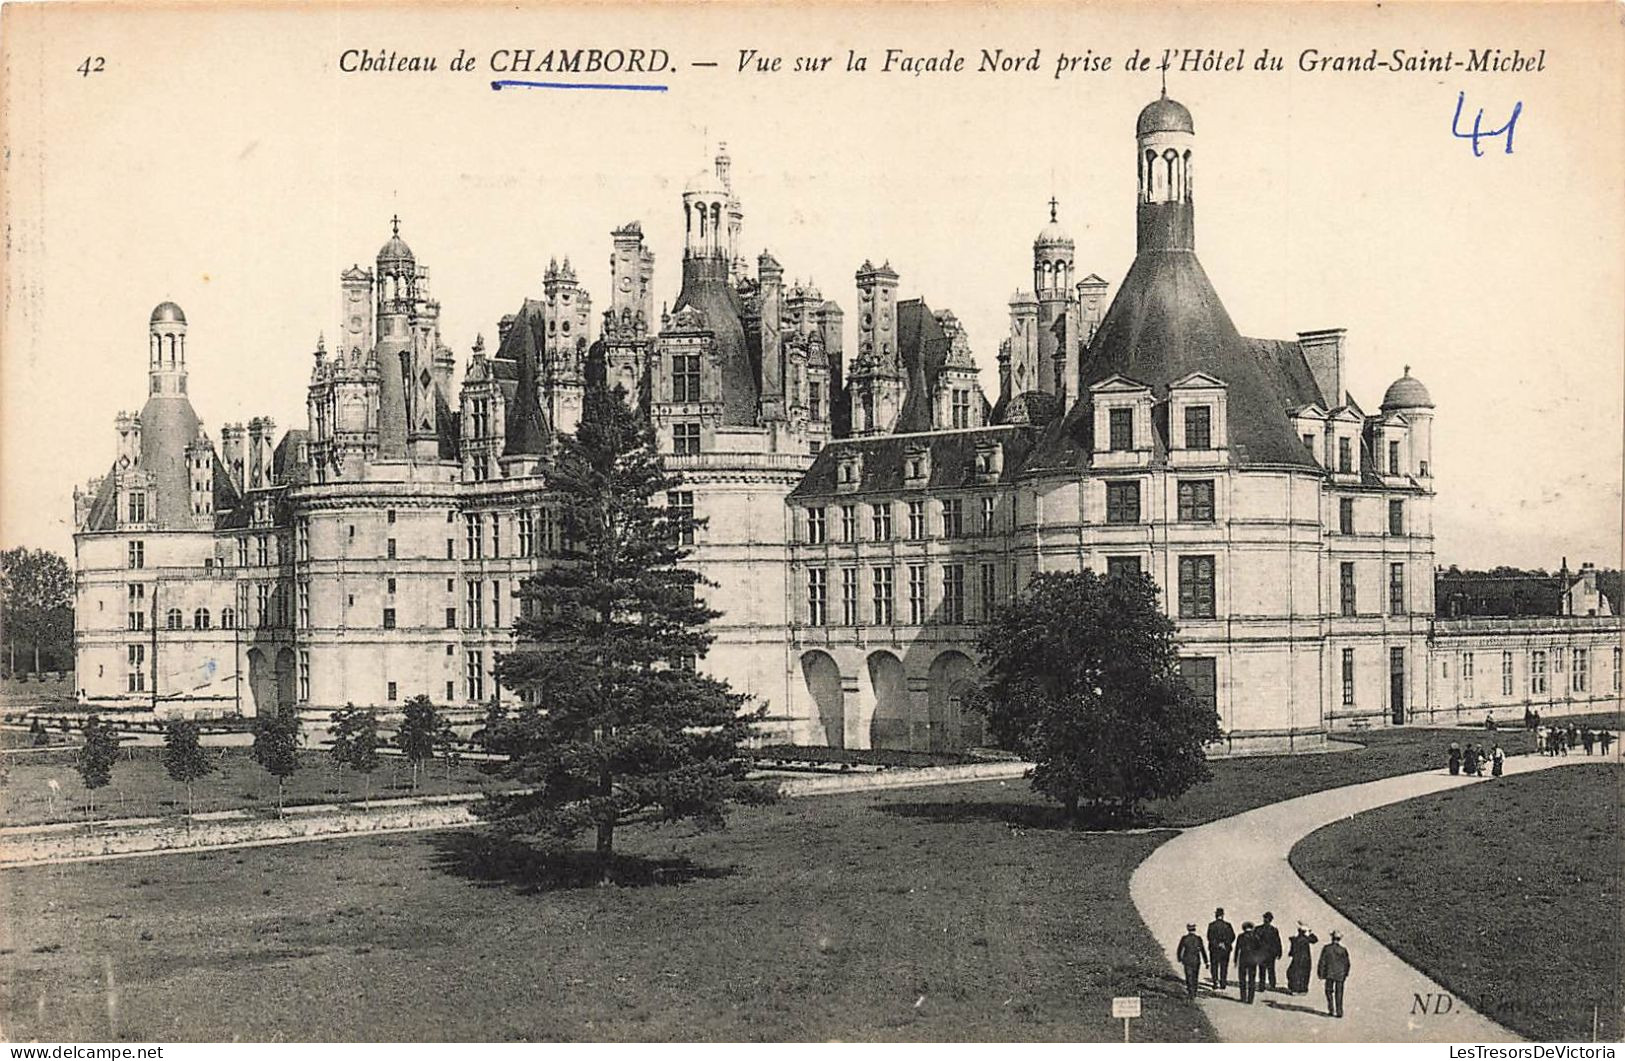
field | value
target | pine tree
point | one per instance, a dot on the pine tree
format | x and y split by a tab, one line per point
184	758
276	747
1083	680
96	758
416	737
606	644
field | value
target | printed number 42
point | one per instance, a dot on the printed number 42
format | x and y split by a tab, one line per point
93	64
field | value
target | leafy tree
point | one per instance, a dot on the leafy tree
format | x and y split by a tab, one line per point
355	744
184	758
1083	681
36	605
608	639
447	745
416	737
276	747
96	757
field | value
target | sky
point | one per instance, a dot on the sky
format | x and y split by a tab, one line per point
220	158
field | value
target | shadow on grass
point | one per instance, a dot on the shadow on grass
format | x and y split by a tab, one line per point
495	862
1020	815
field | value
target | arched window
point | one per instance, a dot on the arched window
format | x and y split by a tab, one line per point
1172	158
200	619
1189	187
228	618
172	619
1150	174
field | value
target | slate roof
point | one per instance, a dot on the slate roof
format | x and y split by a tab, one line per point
104	509
520	352
953	460
922	346
706	288
1478	594
1167	321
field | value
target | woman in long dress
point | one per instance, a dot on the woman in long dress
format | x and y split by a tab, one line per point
1297	970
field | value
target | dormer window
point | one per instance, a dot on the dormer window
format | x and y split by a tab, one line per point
849	472
989	463
917	466
1198	427
1122	429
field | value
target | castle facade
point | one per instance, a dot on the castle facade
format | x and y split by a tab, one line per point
862	517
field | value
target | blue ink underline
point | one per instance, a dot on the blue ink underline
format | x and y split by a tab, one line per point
498	86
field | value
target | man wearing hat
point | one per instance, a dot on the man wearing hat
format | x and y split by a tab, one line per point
1334	969
1220	938
1270	937
1192	955
1250	947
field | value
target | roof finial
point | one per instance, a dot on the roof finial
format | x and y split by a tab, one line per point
395	225
1407	370
1165	77
1052	205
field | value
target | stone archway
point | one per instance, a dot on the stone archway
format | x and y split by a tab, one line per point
823	680
262	685
954	724
887	704
284	681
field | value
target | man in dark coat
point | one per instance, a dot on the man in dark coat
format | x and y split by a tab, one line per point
1587	738
1469	761
1605	738
1220	938
1250	949
1297	970
1192	955
1334	969
1270	936
1455	758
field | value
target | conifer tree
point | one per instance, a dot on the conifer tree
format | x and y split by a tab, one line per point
606	647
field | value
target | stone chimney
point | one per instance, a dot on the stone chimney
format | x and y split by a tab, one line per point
1326	352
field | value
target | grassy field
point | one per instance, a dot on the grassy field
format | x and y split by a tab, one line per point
965	912
1508	894
141	788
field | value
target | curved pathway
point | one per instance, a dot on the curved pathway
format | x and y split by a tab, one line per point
1240	863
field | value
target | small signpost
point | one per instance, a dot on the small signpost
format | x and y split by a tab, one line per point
1126	1008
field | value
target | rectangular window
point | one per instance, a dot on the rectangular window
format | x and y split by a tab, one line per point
916	593
1396	589
1201	673
987	515
685	377
389	550
953	593
953	517
473	536
1506	674
916	519
1580	673
1345	515
242	552
1123	501
685	439
1467	675
961	407
849	596
496	603
263	600
817	596
990	590
817	530
473	605
1345	587
1537	672
389	618
1348	677
138	555
680	503
474	675
496	535
262	550
1396	517
815	401
1393	458
137	656
138	506
392	692
1345	455
881	514
849	523
304	676
302	591
1196	595
301	534
526	524
1196	501
1122	567
451	618
1396	682
1616	669
883	615
451	548
1198	427
1121	422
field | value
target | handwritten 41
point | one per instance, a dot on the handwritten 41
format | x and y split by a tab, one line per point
1478	131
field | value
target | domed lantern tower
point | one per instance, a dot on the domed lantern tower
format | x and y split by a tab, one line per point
1165	136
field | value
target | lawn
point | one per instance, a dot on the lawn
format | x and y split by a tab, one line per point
832	918
1508	894
141	788
962	912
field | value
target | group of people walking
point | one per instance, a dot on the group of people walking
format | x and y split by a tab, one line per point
1557	740
1472	760
1257	949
